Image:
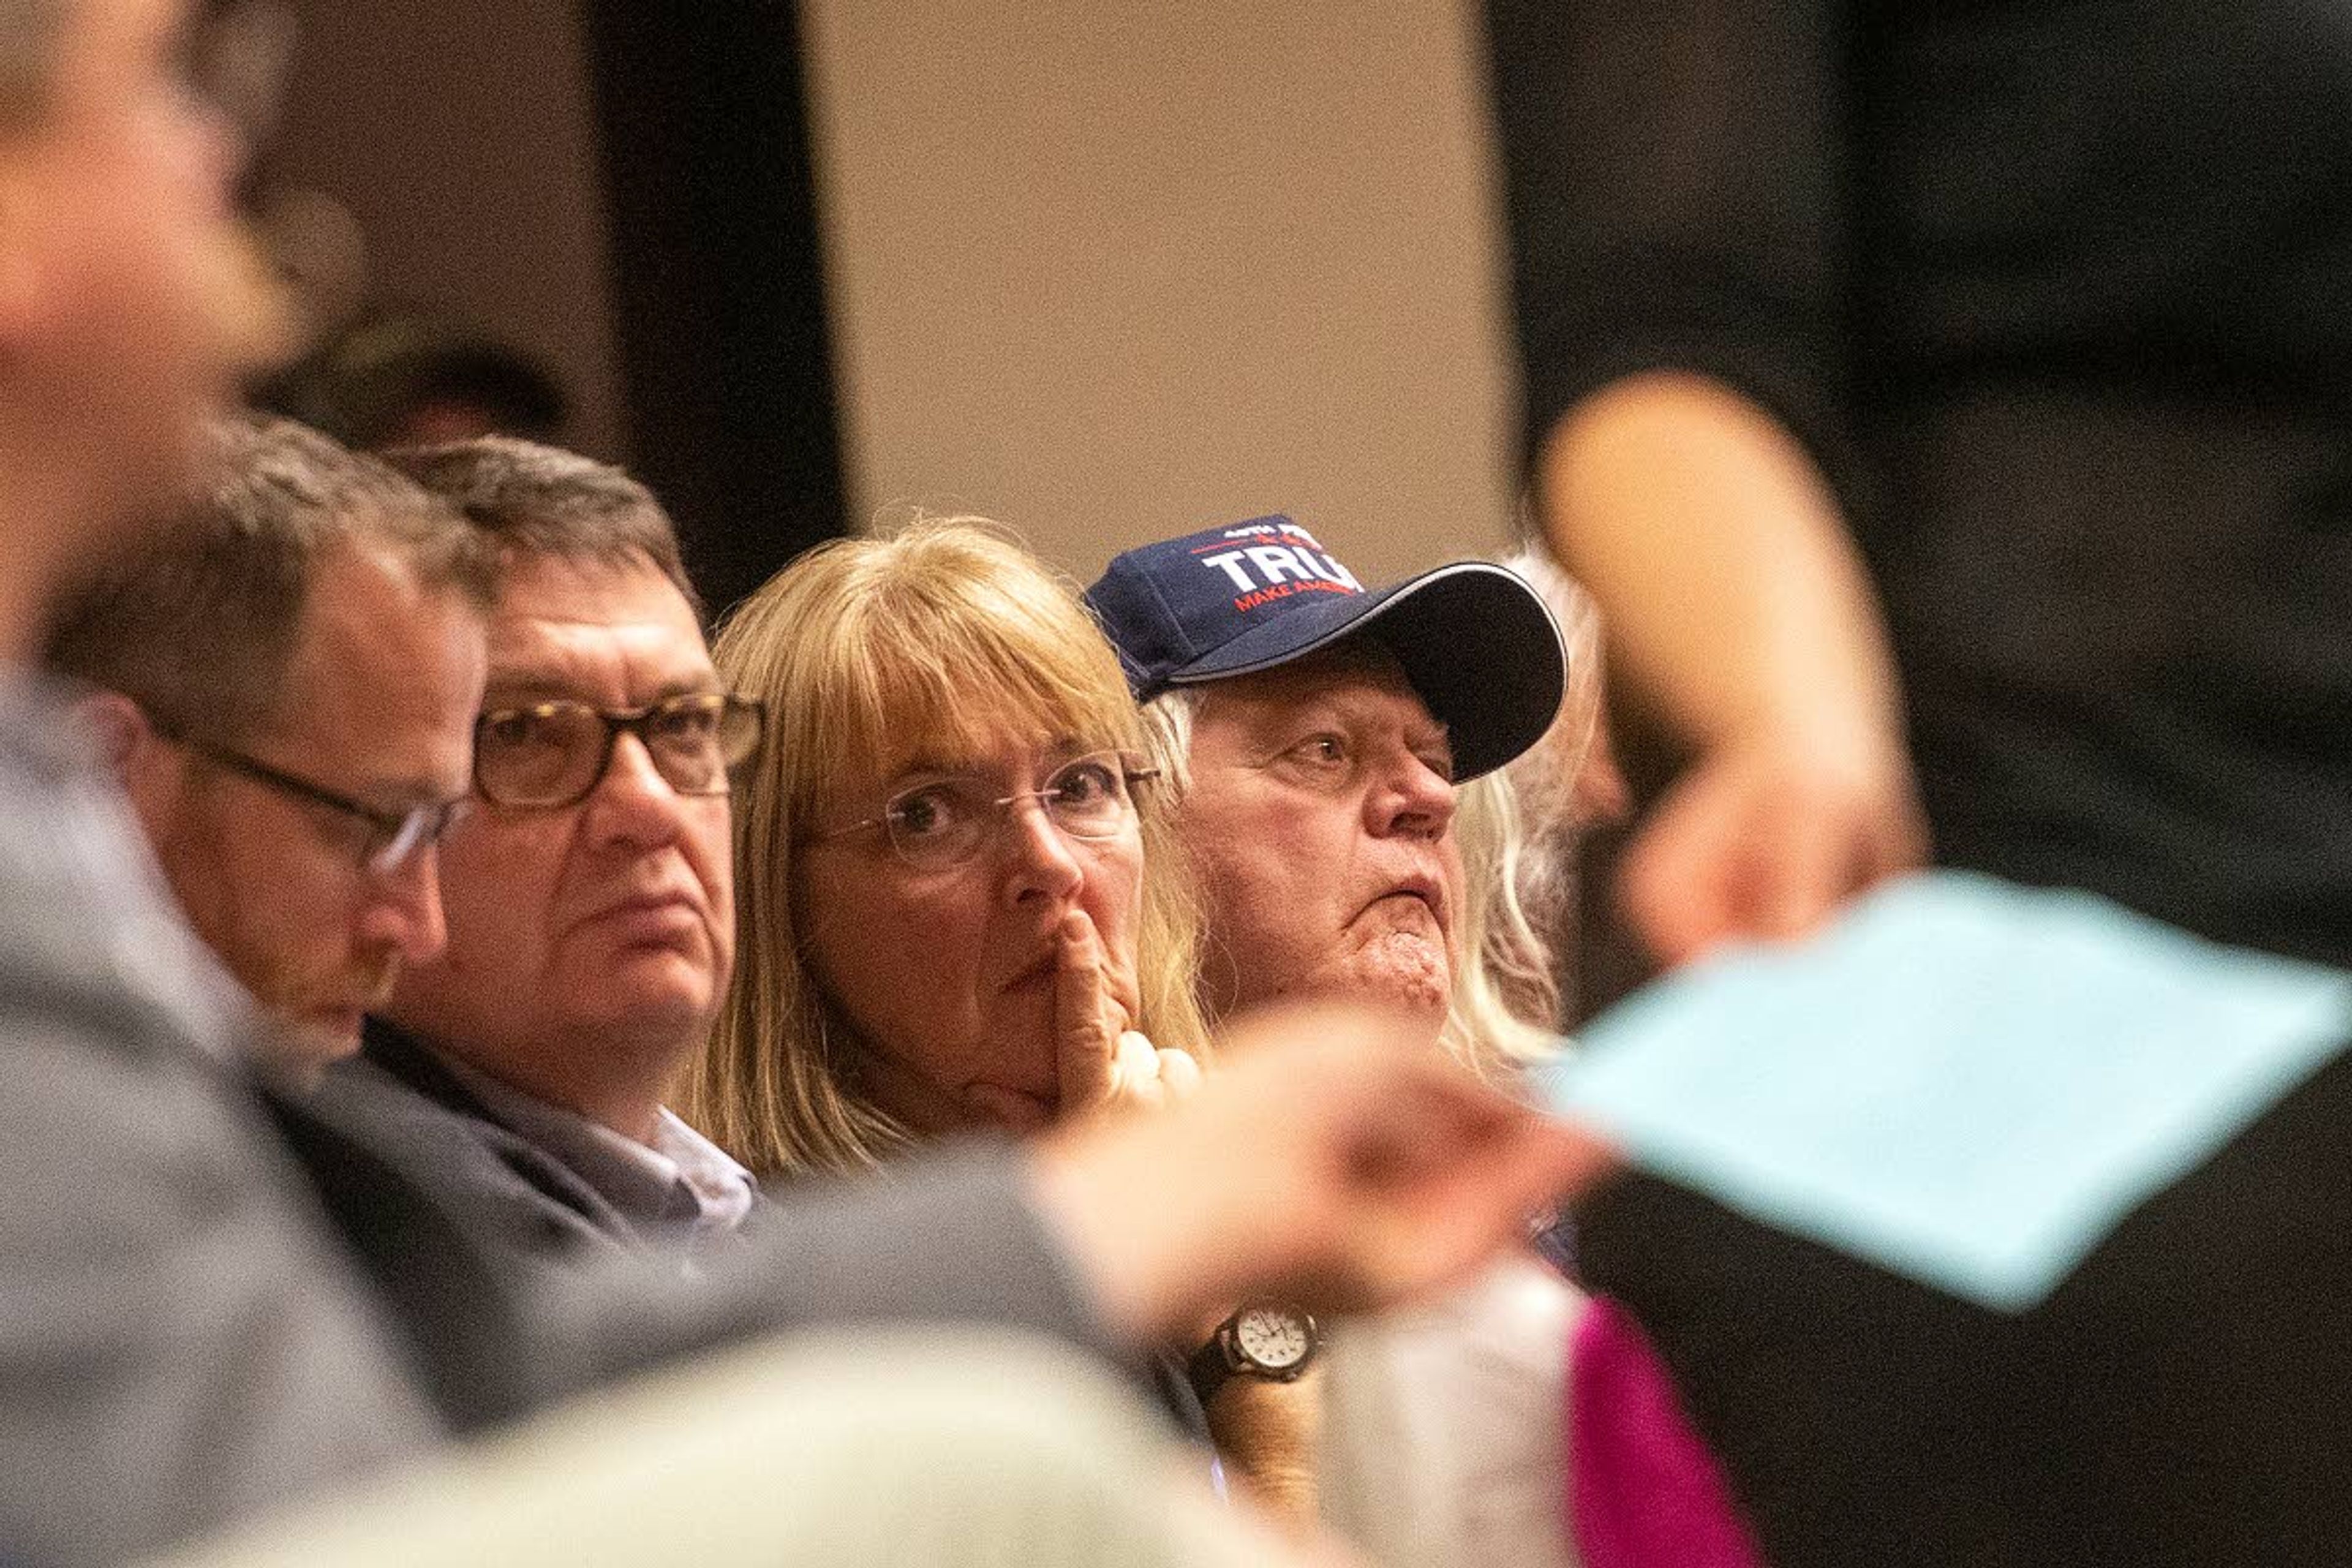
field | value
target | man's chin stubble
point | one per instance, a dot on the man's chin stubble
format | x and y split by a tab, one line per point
1400	968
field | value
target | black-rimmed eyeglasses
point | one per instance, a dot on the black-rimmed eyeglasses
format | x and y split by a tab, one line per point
391	839
942	824
555	754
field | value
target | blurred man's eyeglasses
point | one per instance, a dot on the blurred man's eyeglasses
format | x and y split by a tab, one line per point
940	825
555	754
390	841
237	57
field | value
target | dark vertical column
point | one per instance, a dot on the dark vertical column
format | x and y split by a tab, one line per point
719	278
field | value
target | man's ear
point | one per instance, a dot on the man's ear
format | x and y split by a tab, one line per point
120	729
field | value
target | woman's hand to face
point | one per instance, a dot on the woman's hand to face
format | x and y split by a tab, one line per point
954	970
1099	1060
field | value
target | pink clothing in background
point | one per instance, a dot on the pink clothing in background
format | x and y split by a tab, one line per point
1644	1491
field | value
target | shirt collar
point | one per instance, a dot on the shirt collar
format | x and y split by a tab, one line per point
680	1180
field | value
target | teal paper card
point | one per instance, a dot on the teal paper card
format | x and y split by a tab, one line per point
1964	1081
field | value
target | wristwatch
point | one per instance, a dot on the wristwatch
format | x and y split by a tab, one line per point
1264	1340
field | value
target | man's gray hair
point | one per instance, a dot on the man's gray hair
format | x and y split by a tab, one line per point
539	501
1167	730
199	628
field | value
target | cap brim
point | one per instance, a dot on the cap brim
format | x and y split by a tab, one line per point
1474	640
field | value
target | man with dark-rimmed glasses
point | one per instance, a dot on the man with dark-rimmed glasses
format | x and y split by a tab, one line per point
283	687
591	916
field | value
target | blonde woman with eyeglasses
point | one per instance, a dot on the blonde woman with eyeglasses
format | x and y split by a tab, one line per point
959	906
945	920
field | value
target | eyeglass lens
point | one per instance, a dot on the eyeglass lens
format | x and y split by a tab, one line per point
945	822
239	56
387	842
390	852
556	752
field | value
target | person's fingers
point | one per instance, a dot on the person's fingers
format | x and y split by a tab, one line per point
1796	867
1320	1164
1019	1114
1137	1060
1431	1230
1838	847
1765	845
1675	886
1135	1072
1085	1035
1901	846
1180	1075
1416	1244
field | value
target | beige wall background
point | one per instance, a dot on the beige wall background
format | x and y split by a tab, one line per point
1104	271
461	137
1111	271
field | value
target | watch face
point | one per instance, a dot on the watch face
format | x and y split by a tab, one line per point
1273	1338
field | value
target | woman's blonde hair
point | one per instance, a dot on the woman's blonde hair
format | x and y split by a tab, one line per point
942	636
1504	1011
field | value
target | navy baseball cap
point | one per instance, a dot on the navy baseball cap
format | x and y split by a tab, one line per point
1473	639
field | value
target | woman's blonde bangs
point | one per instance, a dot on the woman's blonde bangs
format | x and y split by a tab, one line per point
927	664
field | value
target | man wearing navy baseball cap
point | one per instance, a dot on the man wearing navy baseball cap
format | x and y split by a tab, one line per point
1318	731
1314	733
